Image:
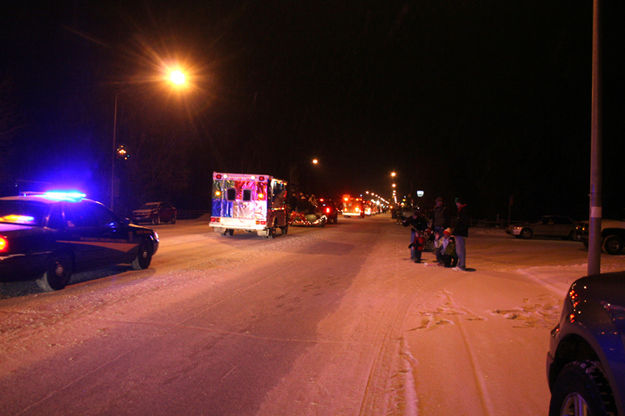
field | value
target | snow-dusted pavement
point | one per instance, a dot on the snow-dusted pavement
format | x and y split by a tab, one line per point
333	321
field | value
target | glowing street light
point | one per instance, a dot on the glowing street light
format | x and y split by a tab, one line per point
394	185
177	78
393	174
315	161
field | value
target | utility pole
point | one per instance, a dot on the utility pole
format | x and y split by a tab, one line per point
113	151
594	234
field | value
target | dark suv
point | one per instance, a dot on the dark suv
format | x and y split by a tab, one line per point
155	213
586	358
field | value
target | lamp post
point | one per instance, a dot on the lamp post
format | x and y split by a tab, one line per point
113	152
177	78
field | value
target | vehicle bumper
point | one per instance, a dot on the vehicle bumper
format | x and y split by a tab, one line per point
142	218
221	224
22	267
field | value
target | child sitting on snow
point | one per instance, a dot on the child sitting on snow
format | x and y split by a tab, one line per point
446	249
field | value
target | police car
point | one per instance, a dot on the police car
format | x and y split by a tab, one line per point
48	236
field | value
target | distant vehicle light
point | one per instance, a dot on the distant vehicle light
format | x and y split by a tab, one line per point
4	245
327	210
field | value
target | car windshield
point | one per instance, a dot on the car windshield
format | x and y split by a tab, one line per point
149	205
23	212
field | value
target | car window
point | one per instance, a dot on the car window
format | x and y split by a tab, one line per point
56	218
87	214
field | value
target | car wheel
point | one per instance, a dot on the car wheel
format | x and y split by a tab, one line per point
572	236
156	220
526	233
173	219
144	256
613	244
57	274
285	229
581	389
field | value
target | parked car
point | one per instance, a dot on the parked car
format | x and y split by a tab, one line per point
548	226
155	213
586	358
306	214
612	235
329	209
48	236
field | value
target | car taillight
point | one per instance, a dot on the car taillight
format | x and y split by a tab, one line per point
215	219
327	210
4	244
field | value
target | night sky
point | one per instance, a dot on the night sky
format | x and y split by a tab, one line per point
480	99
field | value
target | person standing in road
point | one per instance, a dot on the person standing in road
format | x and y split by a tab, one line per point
440	219
461	233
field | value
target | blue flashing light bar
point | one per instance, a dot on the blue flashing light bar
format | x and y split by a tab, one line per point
70	196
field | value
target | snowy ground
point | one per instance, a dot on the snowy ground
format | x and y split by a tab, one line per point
333	321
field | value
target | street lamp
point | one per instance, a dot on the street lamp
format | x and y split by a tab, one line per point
176	78
393	174
315	161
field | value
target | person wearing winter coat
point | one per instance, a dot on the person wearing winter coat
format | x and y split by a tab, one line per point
440	219
461	233
417	245
446	249
418	224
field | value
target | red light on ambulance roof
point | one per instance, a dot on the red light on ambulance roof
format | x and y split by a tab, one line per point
261	178
218	176
4	244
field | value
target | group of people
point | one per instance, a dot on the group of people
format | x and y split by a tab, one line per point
449	244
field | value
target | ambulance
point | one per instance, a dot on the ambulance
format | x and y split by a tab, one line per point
249	202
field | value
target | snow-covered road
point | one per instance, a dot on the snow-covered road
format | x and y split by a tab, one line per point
333	321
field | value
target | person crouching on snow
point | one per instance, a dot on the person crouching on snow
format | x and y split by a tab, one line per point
417	245
446	249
